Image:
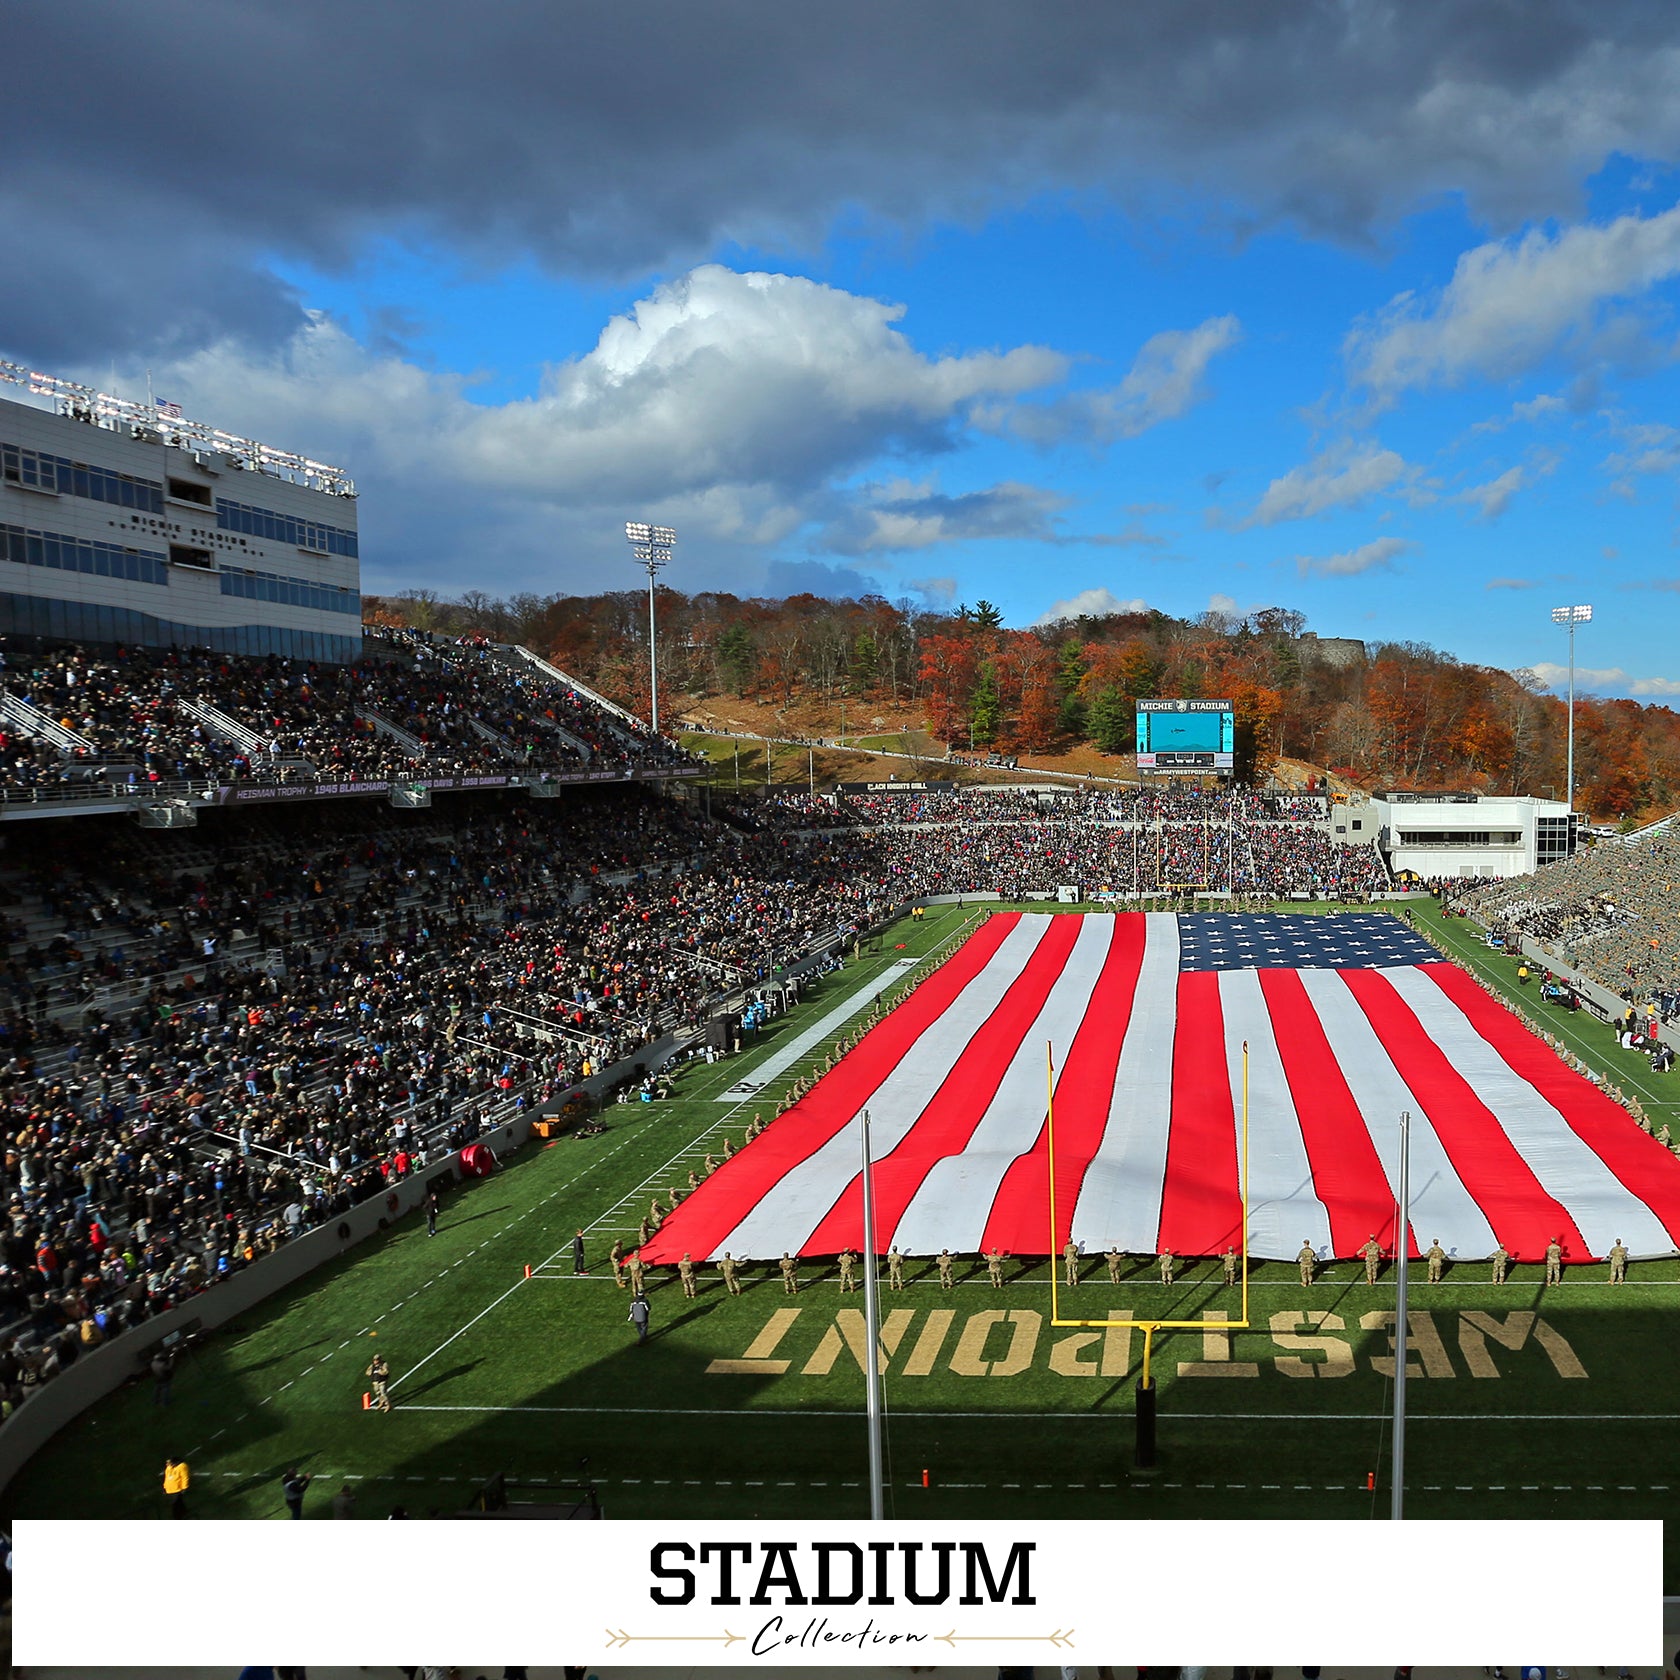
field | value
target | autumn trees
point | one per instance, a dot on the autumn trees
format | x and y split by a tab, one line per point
1396	714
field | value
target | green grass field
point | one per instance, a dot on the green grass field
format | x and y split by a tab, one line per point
1527	1401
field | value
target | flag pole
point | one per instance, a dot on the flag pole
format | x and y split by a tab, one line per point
1402	1247
871	1331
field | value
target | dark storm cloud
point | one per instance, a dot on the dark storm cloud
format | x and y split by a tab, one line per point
611	139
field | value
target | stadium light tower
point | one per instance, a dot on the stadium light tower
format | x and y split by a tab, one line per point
1571	616
652	545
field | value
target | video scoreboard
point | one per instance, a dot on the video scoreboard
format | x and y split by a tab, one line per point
1179	736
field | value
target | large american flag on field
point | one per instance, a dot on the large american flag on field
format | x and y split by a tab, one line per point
1349	1020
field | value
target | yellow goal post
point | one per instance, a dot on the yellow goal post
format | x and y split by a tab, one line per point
1147	1326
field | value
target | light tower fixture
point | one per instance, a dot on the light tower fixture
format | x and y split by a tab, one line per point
651	545
1570	617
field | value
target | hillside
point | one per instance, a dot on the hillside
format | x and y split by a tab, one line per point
1063	696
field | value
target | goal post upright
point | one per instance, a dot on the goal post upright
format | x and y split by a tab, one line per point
1145	1415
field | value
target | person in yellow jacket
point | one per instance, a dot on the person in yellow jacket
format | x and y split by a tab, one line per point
176	1478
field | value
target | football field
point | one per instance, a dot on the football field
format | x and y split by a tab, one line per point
1525	1401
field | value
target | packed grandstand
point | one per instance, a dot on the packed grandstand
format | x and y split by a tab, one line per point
218	1038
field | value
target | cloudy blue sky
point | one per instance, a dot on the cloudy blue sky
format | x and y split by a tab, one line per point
1364	309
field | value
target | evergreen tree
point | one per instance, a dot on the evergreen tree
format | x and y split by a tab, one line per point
1070	672
866	663
1113	721
986	708
737	657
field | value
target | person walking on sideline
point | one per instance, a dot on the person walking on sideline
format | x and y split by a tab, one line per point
577	1255
431	1213
176	1480
293	1485
163	1374
639	1317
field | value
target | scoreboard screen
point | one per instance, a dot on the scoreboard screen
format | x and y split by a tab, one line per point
1175	736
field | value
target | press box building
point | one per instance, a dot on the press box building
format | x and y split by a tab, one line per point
125	523
1459	835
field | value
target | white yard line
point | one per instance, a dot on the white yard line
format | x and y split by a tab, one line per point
743	1090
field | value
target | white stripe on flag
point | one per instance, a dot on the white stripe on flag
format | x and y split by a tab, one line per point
1283	1207
1441	1205
1568	1169
951	1208
796	1204
1120	1200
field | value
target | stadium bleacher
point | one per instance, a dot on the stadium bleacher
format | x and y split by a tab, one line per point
213	1040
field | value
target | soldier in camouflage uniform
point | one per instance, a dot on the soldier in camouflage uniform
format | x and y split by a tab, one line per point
1437	1258
728	1149
643	1232
656	1212
994	1267
635	1266
847	1261
616	1256
790	1274
1113	1256
895	1269
1167	1264
708	1167
685	1270
1372	1252
945	1279
1501	1263
693	1180
1233	1262
1070	1262
1307	1261
1618	1263
1554	1262
729	1266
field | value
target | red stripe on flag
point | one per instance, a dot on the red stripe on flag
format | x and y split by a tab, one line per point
1642	1165
1201	1197
1347	1171
1020	1217
947	1123
1503	1186
699	1226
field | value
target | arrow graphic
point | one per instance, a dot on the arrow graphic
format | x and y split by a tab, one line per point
1058	1637
620	1638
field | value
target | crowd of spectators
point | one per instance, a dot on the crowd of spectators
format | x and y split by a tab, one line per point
223	1044
1612	911
212	1041
1149	841
414	706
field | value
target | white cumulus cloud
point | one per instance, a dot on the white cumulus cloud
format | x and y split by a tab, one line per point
1491	499
1089	603
1512	303
733	405
1166	380
1340	477
1610	678
1367	557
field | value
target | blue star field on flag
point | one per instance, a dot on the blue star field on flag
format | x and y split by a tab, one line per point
1211	942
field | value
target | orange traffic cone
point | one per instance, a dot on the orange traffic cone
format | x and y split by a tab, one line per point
527	1271
367	1402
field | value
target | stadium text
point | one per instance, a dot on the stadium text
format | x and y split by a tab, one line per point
835	1572
1005	1343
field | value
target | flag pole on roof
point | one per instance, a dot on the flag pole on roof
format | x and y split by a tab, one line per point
1402	1247
871	1331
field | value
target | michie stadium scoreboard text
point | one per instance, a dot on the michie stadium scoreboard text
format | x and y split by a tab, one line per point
1175	737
